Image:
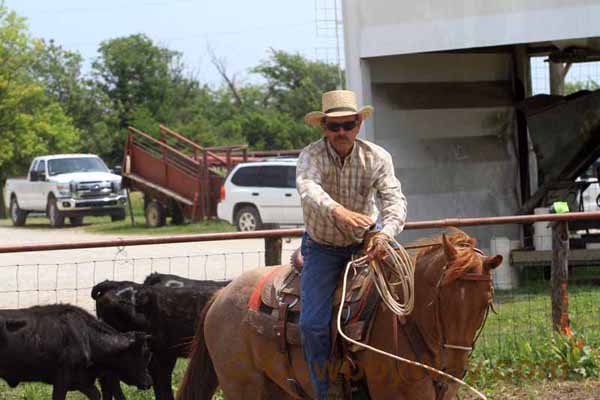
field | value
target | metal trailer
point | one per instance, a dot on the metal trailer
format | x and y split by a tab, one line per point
179	178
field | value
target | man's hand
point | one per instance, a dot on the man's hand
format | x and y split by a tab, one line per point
352	219
375	244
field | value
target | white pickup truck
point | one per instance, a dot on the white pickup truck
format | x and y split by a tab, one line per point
66	185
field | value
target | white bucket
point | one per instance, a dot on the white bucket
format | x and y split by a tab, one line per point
542	232
504	276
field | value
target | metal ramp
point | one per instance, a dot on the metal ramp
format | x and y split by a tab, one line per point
565	132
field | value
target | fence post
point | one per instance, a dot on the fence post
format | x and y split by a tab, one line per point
559	276
273	251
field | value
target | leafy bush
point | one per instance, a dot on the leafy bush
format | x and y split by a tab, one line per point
531	359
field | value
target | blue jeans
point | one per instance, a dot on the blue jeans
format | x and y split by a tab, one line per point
322	269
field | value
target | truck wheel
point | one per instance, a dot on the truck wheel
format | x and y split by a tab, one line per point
177	217
76	221
155	214
17	215
56	218
248	219
118	216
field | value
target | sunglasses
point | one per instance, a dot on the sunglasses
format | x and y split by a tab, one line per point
335	126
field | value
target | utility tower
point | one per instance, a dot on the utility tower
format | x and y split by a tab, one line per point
329	26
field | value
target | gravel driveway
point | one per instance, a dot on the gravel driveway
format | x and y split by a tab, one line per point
68	275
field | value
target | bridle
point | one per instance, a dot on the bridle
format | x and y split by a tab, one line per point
440	385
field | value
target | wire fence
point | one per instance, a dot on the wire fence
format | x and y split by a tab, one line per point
63	281
524	313
578	73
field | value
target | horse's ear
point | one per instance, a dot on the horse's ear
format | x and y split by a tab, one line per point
449	249
492	262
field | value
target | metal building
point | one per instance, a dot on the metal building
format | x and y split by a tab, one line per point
446	79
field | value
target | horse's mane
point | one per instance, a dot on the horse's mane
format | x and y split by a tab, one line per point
464	245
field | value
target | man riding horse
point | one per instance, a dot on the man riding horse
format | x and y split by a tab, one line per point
340	179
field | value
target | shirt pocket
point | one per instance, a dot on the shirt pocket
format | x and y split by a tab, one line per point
360	201
364	187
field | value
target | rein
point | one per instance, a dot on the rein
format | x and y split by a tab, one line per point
349	266
473	277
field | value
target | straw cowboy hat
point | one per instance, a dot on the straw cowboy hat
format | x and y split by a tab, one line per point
337	103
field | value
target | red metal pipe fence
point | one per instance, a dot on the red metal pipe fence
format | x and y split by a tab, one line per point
297	232
273	246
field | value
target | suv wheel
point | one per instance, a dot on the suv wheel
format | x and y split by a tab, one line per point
56	218
155	214
248	219
17	215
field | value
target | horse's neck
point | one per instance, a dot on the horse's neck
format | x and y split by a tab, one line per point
426	311
424	318
418	330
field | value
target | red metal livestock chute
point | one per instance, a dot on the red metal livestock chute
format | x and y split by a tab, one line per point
178	177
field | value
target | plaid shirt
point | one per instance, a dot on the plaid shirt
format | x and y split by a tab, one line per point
367	174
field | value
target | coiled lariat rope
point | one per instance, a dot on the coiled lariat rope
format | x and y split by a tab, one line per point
401	266
402	269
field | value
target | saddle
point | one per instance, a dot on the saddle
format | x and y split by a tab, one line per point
275	304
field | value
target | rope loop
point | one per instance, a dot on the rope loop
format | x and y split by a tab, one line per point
403	269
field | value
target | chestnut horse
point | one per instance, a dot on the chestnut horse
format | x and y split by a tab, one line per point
453	289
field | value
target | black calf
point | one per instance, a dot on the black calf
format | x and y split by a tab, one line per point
68	348
167	306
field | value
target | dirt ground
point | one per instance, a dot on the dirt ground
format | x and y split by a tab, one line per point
584	390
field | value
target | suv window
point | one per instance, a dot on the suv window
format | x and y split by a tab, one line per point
273	176
291	177
247	176
278	176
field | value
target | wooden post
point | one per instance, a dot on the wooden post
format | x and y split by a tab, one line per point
557	78
272	251
130	208
560	275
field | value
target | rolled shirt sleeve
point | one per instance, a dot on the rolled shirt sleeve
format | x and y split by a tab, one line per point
392	200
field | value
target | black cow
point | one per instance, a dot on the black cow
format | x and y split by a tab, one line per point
167	306
115	305
68	348
178	282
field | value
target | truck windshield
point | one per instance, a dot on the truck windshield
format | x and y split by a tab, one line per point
69	165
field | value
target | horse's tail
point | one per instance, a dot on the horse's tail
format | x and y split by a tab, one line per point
200	380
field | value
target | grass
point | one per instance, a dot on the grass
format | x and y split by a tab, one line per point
125	227
525	314
41	391
517	356
518	343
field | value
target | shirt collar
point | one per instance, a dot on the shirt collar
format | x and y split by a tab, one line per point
336	156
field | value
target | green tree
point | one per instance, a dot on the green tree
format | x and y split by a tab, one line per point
295	84
572	87
146	85
31	123
270	115
59	71
134	73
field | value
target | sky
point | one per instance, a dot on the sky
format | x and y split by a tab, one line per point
240	32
